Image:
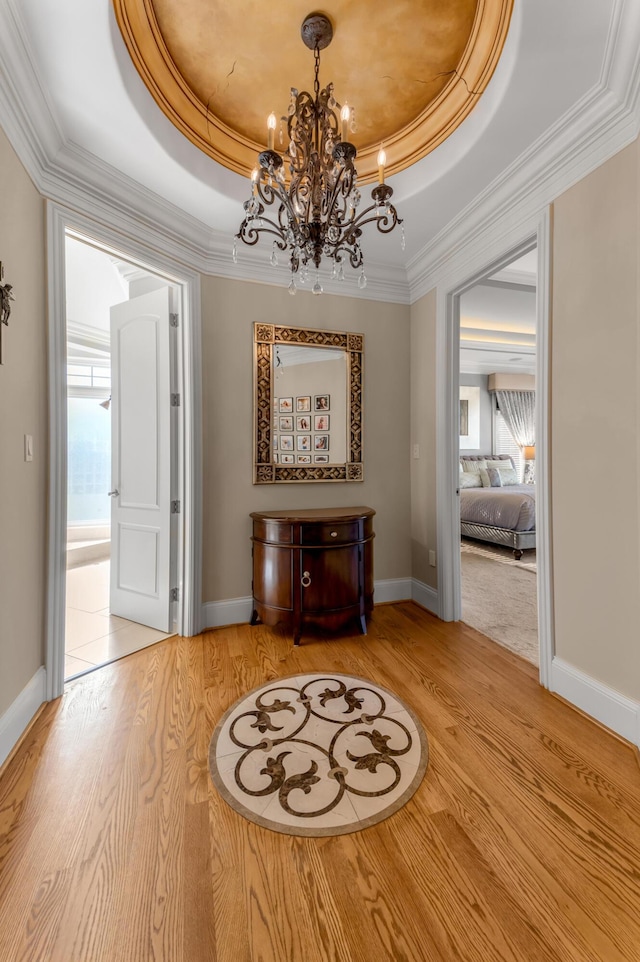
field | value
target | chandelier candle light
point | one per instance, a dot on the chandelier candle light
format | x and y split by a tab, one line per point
315	214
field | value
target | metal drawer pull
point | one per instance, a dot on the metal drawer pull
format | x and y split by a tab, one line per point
305	581
334	534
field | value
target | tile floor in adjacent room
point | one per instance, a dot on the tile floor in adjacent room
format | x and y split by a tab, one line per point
93	635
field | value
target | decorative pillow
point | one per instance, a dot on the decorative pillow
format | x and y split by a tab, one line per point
475	466
490	478
469	479
501	465
508	476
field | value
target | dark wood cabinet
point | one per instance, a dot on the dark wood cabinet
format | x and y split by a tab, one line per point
313	566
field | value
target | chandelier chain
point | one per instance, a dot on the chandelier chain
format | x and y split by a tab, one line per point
316	83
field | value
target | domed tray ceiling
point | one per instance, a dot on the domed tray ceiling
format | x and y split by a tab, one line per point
412	69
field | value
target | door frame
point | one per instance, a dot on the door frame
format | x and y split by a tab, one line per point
491	254
60	222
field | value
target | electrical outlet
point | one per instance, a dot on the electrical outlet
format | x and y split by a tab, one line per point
432	559
416	451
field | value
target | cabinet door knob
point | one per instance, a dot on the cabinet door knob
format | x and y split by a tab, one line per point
305	581
334	534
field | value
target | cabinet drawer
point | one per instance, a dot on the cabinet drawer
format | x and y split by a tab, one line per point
341	533
275	532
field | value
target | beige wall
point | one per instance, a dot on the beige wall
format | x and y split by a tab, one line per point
595	425
23	386
423	433
230	309
595	412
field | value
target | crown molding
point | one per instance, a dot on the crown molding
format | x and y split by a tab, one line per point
26	113
74	178
83	182
384	283
511	280
599	125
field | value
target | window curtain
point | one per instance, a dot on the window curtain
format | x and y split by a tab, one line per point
518	408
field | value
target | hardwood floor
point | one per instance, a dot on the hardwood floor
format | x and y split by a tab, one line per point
521	845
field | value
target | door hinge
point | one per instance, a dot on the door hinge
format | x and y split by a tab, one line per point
173	320
173	595
175	400
175	507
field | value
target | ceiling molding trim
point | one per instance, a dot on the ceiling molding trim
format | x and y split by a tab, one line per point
487	338
505	283
603	122
83	182
26	112
384	283
76	179
87	335
517	280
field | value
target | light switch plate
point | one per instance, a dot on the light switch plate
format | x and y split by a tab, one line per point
28	447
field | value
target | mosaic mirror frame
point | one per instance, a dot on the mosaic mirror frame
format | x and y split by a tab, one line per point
266	338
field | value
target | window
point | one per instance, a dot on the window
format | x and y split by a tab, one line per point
89	375
88	426
503	442
89	462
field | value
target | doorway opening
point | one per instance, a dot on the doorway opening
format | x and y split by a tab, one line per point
131	541
101	625
497	456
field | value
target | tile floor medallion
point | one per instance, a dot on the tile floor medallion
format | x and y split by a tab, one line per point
318	754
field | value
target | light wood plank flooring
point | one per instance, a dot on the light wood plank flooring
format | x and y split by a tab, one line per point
521	845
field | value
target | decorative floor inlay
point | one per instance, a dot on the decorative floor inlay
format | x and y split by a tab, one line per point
318	754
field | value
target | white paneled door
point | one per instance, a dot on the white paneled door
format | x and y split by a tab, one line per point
141	460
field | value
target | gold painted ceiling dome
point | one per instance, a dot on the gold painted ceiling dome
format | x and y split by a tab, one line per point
411	70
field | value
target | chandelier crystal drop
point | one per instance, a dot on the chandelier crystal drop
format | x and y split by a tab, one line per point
315	213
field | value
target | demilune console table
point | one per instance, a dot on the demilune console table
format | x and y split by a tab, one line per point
313	565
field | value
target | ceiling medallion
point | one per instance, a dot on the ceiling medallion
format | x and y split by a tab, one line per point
316	212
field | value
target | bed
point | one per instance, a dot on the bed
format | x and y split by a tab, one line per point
492	511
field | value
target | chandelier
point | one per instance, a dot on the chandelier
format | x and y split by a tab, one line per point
315	212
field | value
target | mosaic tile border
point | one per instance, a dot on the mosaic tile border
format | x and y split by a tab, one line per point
321	705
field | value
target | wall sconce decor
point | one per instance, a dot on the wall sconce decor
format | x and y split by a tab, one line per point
6	297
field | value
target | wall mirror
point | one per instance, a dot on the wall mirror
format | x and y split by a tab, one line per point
307	405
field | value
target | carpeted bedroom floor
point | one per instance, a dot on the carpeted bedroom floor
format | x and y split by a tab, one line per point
499	596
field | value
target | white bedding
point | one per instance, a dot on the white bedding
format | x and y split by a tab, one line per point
512	507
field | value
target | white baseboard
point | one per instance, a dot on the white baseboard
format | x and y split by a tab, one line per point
616	711
21	711
392	589
236	611
426	597
233	611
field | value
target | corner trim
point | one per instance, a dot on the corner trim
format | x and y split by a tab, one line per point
615	711
392	589
232	611
426	597
16	719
